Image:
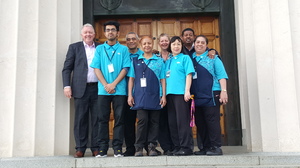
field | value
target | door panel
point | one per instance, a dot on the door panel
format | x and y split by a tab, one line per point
154	26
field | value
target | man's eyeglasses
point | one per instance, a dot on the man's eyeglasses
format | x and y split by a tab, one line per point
133	39
110	30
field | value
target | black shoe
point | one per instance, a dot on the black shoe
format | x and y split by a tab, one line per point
183	152
201	152
171	153
214	151
128	153
168	152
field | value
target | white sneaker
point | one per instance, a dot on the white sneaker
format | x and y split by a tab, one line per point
101	154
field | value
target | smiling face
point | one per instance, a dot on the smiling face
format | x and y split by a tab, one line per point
188	38
164	42
200	45
176	47
147	44
88	34
111	32
132	41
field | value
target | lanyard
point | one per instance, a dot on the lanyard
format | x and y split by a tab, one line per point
171	58
110	59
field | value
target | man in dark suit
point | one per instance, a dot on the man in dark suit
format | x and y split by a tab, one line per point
84	89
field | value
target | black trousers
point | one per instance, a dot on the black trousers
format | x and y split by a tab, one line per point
129	134
147	127
118	104
83	107
207	120
179	121
164	136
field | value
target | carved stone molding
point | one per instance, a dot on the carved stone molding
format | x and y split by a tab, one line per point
201	3
110	4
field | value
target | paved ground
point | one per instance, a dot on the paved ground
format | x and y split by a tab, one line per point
233	157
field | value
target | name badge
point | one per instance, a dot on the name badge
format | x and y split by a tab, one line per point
111	68
168	73
143	82
195	75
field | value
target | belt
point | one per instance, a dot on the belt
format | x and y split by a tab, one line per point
92	83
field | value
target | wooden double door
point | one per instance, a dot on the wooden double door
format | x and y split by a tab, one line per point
154	26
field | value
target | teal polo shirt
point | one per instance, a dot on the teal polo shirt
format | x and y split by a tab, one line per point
137	54
178	67
118	56
220	73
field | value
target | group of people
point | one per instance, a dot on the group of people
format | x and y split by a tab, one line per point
155	88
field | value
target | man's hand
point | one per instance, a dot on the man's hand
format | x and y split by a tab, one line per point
68	92
211	54
110	88
154	51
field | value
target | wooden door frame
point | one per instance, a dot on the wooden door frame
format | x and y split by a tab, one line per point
229	50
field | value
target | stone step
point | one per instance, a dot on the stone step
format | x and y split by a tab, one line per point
233	157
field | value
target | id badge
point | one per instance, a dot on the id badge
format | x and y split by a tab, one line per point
168	73
195	75
143	82
110	68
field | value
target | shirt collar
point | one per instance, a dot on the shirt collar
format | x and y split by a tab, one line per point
177	55
203	54
159	54
138	52
114	47
153	57
86	45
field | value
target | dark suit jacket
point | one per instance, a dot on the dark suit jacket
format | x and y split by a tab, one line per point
76	69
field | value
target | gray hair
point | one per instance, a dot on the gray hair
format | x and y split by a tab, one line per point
87	25
134	34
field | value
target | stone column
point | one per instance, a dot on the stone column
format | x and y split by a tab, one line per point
8	63
267	76
35	116
295	31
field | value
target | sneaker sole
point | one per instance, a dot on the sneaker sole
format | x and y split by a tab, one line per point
118	155
99	156
213	154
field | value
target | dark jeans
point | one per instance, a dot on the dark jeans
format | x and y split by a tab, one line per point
207	120
147	127
83	106
118	104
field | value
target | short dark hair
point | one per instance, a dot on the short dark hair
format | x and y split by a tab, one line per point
187	29
115	23
206	39
173	39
